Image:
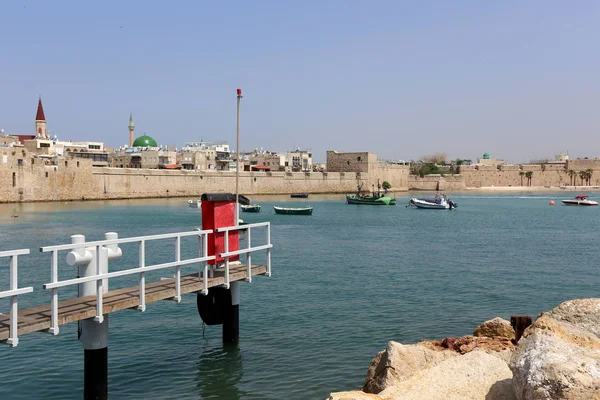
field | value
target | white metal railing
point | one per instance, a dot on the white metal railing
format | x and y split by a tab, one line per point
103	252
14	292
248	250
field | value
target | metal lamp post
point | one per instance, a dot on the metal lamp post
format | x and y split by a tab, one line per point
237	164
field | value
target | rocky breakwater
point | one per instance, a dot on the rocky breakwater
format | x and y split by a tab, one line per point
558	357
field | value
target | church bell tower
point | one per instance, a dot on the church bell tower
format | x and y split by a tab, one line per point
40	121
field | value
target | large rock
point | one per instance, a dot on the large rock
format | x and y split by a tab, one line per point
558	356
496	327
353	395
399	362
474	376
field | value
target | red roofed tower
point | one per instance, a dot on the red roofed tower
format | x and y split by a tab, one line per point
40	121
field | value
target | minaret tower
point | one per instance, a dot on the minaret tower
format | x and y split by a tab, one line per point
131	130
40	121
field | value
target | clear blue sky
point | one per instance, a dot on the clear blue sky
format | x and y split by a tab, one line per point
403	79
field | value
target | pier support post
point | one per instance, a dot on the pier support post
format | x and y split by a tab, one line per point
94	334
231	321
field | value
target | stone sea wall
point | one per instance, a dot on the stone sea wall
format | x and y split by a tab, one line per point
24	177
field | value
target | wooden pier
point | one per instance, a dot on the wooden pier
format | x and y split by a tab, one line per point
38	318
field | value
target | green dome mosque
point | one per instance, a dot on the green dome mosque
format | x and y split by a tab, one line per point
144	141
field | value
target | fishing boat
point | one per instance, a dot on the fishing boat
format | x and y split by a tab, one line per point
299	195
377	198
194	203
251	208
293	211
372	200
581	200
439	202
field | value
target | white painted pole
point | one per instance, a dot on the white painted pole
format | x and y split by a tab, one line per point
13	338
237	157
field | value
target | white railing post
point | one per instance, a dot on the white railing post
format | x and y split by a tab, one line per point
249	256
200	255
142	289
226	260
205	280
177	297
13	293
54	302
13	338
101	260
269	250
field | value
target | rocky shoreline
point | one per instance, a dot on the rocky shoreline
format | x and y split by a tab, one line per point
557	357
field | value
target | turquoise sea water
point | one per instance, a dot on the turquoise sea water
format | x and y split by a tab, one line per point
346	280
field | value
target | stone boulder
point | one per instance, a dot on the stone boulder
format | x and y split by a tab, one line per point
399	362
558	356
496	327
474	376
353	395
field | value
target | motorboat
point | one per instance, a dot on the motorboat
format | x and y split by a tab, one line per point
194	203
581	200
439	202
293	211
299	195
251	208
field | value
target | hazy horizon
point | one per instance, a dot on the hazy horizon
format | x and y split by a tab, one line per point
403	80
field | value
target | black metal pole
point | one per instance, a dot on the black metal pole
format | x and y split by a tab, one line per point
95	374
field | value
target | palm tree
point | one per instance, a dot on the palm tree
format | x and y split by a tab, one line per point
588	173
528	175
582	176
521	174
572	174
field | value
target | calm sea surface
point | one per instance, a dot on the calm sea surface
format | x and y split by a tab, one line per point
346	280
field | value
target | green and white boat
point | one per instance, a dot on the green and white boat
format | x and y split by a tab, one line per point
375	199
293	211
370	200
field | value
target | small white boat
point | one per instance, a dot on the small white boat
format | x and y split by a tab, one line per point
437	203
194	203
581	200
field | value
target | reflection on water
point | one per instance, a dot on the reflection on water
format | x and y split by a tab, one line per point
219	372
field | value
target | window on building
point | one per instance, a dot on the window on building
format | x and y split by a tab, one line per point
14	179
20	162
46	174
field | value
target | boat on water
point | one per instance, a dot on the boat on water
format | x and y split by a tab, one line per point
376	198
439	202
251	208
293	211
581	200
194	203
299	195
372	200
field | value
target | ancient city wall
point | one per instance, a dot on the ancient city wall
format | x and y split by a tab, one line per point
396	175
436	182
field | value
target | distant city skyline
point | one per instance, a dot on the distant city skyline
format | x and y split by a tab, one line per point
403	80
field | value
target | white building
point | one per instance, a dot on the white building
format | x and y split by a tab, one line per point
296	160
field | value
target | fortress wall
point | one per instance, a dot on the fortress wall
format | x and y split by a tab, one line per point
437	182
396	175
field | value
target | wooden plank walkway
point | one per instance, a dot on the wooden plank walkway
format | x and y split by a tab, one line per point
38	318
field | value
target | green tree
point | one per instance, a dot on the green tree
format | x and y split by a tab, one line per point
521	174
572	174
582	175
386	185
588	173
529	175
